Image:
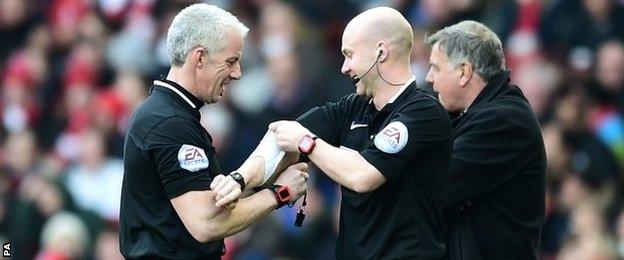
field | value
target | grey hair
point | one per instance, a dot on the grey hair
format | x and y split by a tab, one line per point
474	43
200	25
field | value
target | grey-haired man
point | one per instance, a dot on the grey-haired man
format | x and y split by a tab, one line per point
495	197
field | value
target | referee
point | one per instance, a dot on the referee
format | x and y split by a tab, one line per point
168	209
387	146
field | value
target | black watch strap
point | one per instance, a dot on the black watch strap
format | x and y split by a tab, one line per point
239	178
274	188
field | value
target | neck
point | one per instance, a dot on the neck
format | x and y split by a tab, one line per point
474	87
384	91
183	77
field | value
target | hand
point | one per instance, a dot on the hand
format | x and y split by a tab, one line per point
288	134
296	178
226	189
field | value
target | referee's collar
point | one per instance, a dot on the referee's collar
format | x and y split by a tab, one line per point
403	92
402	89
191	100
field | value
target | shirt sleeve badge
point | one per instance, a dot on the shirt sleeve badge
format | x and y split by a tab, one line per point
393	138
192	158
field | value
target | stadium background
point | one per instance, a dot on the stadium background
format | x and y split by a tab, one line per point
71	72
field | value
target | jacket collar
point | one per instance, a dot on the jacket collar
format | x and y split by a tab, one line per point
493	88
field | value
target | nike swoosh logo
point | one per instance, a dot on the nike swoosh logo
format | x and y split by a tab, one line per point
354	125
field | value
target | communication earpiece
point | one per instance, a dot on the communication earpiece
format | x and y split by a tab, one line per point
357	79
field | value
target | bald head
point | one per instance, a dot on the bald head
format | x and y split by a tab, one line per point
380	24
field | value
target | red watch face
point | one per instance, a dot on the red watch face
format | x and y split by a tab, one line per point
306	145
283	193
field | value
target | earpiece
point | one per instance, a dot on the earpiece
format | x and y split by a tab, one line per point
357	79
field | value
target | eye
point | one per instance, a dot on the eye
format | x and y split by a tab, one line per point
348	57
347	54
231	62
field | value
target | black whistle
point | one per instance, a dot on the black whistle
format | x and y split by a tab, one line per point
300	218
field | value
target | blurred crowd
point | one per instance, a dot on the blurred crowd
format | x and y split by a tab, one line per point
72	71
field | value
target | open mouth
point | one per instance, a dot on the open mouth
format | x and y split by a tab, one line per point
223	86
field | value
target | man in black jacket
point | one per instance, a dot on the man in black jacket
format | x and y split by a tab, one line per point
495	201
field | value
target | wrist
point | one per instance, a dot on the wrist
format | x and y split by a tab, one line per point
281	194
269	195
250	172
307	144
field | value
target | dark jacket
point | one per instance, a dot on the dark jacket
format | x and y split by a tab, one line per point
495	201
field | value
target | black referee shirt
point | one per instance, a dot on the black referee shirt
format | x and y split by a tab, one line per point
167	153
410	142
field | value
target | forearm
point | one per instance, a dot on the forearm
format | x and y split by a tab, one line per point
247	211
253	169
346	167
206	222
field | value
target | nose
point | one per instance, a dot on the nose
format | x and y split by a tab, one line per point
345	67
237	72
429	77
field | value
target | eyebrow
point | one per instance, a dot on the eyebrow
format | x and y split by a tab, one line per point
346	51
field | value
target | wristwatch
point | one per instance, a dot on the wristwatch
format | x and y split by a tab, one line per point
282	194
239	178
307	144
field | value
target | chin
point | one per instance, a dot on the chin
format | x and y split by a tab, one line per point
360	91
452	109
444	104
208	100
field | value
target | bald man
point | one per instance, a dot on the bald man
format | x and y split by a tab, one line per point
387	145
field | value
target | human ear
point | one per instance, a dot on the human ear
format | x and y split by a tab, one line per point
466	73
382	51
198	57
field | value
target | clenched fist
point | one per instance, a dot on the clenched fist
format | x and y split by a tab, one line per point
226	190
288	134
296	178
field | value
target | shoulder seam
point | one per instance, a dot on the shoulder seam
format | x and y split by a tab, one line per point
149	132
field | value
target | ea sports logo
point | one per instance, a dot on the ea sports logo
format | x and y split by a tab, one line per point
392	133
192	154
192	158
393	138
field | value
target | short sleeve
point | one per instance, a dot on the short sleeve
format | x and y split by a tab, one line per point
326	121
182	156
419	127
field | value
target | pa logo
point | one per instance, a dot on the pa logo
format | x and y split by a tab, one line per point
6	249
